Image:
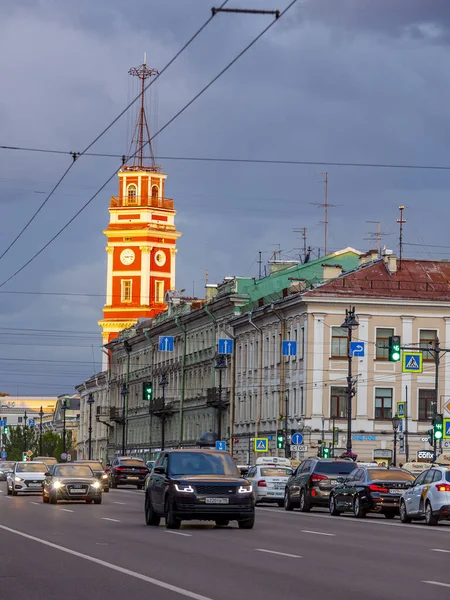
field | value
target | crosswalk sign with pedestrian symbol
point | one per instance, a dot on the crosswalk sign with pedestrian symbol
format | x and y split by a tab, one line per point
412	362
261	444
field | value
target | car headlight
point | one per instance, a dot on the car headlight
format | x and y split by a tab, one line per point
104	476
57	484
18	479
184	488
96	485
1	472
245	489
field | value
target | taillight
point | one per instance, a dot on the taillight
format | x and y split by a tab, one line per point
262	483
378	488
121	469
143	470
443	487
318	477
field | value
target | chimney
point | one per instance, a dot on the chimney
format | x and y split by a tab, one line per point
296	285
392	264
211	291
330	271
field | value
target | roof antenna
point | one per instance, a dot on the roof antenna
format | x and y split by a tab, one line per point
400	221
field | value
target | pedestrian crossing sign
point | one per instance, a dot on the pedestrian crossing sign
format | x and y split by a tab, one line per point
261	444
412	362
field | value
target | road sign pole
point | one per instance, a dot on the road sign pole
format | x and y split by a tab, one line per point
436	392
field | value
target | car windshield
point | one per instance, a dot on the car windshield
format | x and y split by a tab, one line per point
31	467
132	462
447	475
72	471
335	468
202	463
7	465
94	465
388	475
274	472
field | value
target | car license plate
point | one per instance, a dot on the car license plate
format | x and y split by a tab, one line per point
132	477
396	491
77	491
216	500
35	485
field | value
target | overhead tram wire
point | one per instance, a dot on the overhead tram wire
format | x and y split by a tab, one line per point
179	113
77	155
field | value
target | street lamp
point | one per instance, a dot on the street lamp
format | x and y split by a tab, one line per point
25	430
64	408
124	394
350	323
220	365
41	414
395	424
163	383
90	401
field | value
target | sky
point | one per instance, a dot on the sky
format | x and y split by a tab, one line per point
348	81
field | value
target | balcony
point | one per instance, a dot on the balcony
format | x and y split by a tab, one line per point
130	202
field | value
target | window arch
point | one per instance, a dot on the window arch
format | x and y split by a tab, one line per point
132	193
155	191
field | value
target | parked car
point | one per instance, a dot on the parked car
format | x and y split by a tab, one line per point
126	470
268	483
48	460
313	480
69	481
26	477
98	470
6	467
428	498
198	484
370	489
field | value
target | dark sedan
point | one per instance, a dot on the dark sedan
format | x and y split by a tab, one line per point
98	470
370	489
71	482
128	471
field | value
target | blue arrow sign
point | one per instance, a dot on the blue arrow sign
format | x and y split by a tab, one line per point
3	454
225	346
297	439
31	422
357	348
289	348
221	445
165	343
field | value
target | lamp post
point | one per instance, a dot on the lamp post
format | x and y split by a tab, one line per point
395	424
64	408
350	323
41	414
25	430
124	394
90	401
220	365
163	383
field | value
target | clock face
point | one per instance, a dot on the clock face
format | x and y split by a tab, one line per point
127	256
160	258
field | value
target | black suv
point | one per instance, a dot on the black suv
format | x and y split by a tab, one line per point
126	470
198	485
98	470
313	480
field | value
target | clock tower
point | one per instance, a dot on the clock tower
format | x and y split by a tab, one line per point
141	235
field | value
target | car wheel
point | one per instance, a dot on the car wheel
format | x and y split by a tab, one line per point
13	492
114	485
280	503
150	517
8	490
52	498
389	515
304	504
89	501
247	523
106	490
357	509
403	513
44	499
222	523
430	519
333	510
172	522
287	501
98	500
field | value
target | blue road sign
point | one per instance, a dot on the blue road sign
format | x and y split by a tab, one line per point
401	410
357	348
261	444
31	422
297	439
412	362
221	445
165	343
3	423
3	454
289	348
446	429
225	346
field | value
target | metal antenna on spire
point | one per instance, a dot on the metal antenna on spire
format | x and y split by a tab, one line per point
400	221
302	230
376	235
325	206
141	137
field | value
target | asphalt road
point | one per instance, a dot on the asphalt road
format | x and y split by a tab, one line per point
103	552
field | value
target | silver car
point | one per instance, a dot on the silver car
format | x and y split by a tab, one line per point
268	483
428	498
27	477
5	468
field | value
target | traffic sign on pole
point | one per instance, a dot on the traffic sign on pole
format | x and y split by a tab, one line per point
289	348
261	444
401	410
446	435
357	348
64	456
3	454
412	362
225	346
221	445
297	439
166	343
299	448
31	422
29	453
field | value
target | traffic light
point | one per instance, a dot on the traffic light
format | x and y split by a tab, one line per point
147	391
325	452
5	430
438	427
430	433
280	439
394	348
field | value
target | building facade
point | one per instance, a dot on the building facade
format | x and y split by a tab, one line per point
95	414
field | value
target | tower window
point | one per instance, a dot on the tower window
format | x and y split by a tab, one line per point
132	194
126	290
159	291
154	191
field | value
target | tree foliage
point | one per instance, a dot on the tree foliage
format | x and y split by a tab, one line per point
52	443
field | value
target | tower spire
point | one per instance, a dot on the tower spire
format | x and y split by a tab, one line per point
141	137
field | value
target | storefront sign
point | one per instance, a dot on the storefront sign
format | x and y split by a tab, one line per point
424	455
364	438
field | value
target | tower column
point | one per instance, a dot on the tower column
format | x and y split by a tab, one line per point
145	274
173	252
110	251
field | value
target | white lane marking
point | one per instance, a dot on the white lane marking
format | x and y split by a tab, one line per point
279	553
439	583
66	509
156	582
37	503
135	492
2	492
123	503
440	550
178	533
318	532
107	519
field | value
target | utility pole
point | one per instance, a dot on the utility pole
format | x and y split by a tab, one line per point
41	414
325	205
349	323
286	424
64	408
437	359
90	402
400	221
260	264
25	431
406	425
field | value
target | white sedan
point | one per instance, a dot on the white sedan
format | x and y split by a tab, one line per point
268	483
27	477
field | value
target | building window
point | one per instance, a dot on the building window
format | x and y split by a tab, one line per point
338	342
126	290
427	338
339	402
159	291
132	194
19	419
426	405
154	191
382	342
383	403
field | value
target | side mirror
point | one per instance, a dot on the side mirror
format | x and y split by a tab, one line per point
159	470
48	474
340	479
